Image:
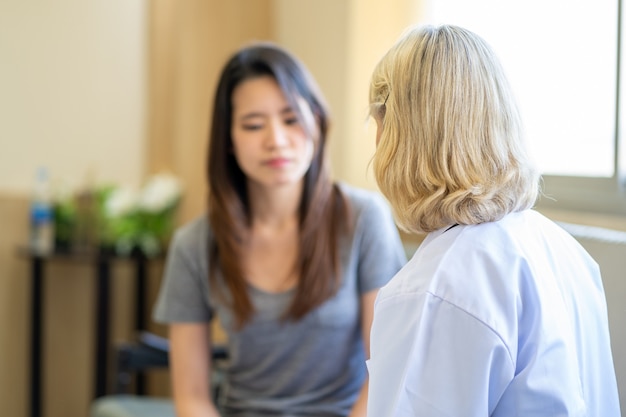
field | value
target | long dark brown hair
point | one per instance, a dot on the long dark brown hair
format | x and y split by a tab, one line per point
323	211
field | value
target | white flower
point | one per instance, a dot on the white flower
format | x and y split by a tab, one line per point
122	201
160	192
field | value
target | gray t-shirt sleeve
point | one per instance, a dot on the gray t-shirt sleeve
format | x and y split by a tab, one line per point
184	293
381	253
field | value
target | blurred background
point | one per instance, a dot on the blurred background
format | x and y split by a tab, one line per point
118	91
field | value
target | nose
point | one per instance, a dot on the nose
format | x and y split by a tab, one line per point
277	135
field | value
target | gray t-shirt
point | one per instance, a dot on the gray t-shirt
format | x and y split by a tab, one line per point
311	367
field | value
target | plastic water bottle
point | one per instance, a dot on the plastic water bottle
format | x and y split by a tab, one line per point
41	216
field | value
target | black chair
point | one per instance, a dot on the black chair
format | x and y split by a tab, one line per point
133	360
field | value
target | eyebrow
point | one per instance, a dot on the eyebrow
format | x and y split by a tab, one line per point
253	115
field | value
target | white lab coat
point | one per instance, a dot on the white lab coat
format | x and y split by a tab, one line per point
500	319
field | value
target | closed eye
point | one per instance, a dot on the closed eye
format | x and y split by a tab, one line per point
251	126
291	121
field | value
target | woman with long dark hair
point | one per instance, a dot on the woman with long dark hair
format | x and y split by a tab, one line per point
289	261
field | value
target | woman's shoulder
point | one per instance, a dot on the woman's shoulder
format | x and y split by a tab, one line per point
194	233
362	199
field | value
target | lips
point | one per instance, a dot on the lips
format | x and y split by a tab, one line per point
277	162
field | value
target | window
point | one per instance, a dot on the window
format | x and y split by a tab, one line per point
562	60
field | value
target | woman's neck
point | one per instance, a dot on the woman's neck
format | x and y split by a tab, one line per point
275	207
271	254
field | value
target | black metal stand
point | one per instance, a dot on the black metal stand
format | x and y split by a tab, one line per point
140	312
36	344
103	288
102	263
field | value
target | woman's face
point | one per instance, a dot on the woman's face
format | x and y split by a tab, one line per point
269	142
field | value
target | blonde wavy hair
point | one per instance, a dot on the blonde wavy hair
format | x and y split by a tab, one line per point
450	149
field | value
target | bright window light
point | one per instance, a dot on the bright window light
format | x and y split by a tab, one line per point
561	59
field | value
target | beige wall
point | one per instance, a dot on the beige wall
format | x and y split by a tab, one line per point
340	42
73	91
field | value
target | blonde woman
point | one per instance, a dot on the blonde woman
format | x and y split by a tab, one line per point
499	312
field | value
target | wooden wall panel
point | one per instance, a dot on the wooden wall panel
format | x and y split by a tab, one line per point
14	307
189	42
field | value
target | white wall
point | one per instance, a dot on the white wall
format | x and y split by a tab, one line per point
72	91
